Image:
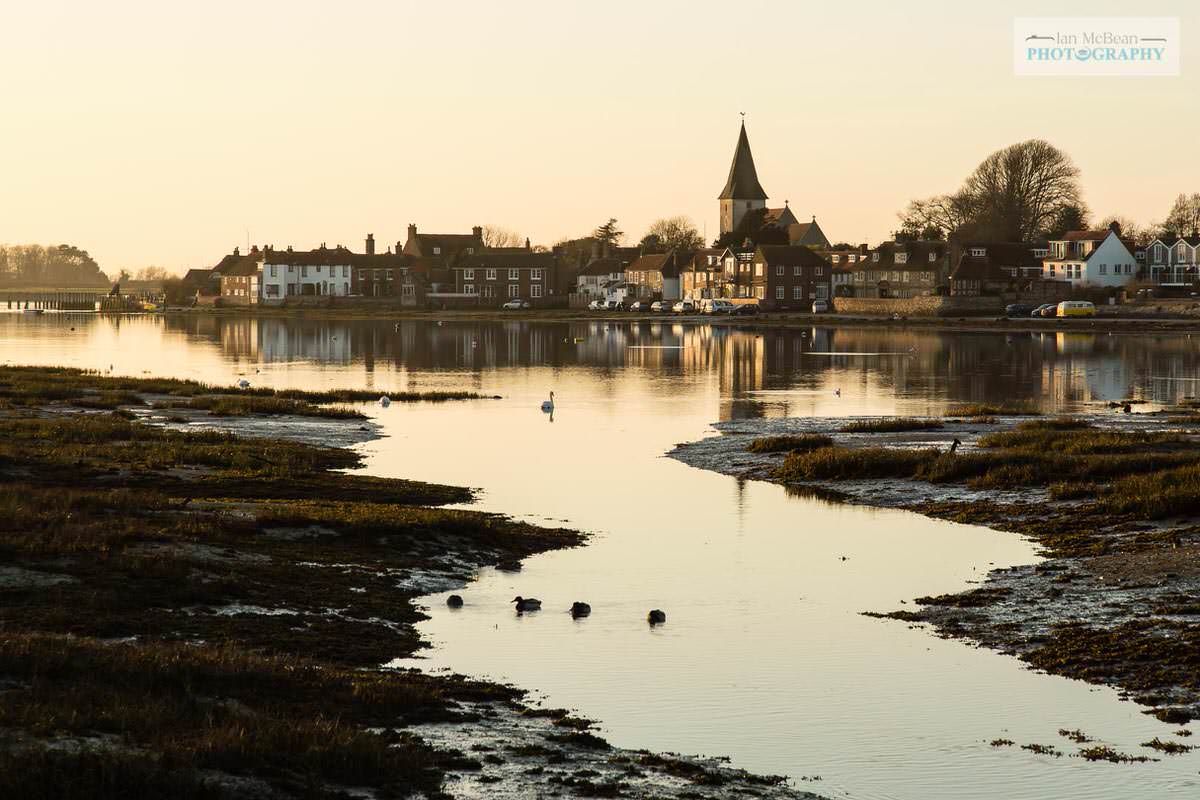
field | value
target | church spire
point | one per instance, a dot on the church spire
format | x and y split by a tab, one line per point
743	178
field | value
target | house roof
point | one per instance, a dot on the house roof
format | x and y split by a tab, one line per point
699	260
603	266
780	217
790	254
807	233
240	267
199	275
993	265
665	263
1084	236
743	178
918	254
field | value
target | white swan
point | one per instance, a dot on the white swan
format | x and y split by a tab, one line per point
243	384
548	405
385	401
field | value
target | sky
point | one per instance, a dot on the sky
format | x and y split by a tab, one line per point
166	134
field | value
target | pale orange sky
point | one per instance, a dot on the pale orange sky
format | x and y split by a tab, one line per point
154	133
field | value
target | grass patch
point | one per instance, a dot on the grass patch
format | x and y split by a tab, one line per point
890	425
993	410
244	406
789	444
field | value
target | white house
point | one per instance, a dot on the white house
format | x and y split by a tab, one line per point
1173	259
323	271
600	274
1097	259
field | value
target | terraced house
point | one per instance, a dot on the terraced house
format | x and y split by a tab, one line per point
902	268
995	268
790	277
495	276
1174	259
656	275
318	272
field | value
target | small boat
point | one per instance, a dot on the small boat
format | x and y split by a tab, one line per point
35	311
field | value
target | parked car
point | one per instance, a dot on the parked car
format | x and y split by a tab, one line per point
684	307
596	305
1037	312
516	304
1051	310
743	309
612	305
640	305
659	306
716	305
820	307
1018	310
1076	308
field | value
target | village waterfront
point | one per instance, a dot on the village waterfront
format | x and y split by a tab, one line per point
763	589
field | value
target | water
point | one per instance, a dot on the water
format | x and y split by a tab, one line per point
765	656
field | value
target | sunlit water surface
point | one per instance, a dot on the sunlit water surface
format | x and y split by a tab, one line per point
765	656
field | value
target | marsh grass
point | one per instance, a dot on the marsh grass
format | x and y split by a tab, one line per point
790	443
993	410
891	425
244	406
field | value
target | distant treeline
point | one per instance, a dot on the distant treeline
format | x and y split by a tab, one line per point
60	266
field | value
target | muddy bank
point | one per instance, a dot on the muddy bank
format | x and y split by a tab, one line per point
191	613
1110	498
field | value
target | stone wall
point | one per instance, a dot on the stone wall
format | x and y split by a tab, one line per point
919	306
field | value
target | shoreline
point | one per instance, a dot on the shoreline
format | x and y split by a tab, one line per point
1113	602
256	586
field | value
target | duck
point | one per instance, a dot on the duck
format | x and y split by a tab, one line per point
454	601
385	401
656	617
954	445
579	609
548	405
243	384
527	603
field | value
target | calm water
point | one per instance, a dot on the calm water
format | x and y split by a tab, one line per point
765	656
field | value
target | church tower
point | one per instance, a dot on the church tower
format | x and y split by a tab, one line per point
742	191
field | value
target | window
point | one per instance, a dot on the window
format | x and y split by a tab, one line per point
758	269
408	290
388	274
468	274
272	290
822	292
535	275
437	251
491	274
274	272
836	259
905	276
304	271
852	259
797	271
778	292
1104	269
797	293
818	271
779	270
468	288
759	292
345	271
901	258
489	291
291	267
514	290
535	290
932	257
514	275
978	252
874	256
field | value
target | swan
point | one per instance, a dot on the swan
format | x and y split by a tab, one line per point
454	601
527	603
548	405
385	401
243	384
579	609
837	392
656	617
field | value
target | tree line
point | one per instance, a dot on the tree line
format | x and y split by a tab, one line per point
62	265
1027	192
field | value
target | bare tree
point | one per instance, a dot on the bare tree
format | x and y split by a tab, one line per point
1129	228
496	236
152	274
1184	218
1015	194
673	233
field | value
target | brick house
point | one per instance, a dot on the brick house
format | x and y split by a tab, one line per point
240	278
657	275
701	276
994	268
436	254
790	277
498	275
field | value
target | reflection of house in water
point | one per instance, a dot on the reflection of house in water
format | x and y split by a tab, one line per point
293	340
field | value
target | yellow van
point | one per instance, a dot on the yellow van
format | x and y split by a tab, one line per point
1076	308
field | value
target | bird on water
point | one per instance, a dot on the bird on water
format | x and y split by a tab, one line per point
454	601
527	603
579	609
548	405
656	617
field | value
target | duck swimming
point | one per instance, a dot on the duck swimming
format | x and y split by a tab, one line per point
579	609
454	601
527	603
656	617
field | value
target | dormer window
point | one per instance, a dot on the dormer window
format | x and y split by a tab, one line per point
437	251
835	259
978	252
852	259
874	256
901	258
932	256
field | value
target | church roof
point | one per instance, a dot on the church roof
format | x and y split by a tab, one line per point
743	178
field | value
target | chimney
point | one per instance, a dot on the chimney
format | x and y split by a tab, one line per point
237	251
412	231
370	244
527	247
595	249
477	232
399	247
1115	227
